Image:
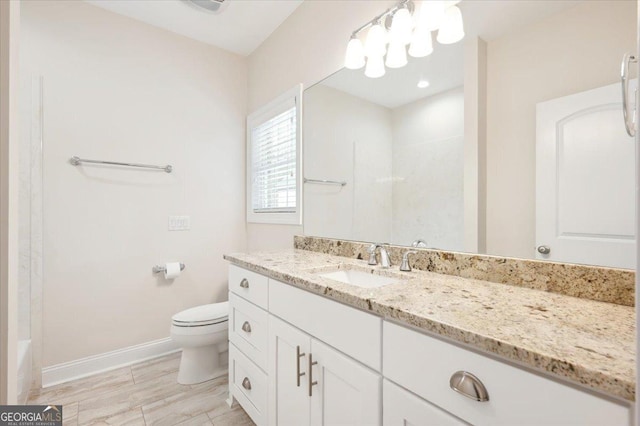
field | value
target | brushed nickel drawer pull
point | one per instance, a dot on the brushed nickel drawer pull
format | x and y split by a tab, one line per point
311	382
298	373
246	327
246	383
244	283
468	385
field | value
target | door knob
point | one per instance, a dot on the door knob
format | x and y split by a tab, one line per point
544	249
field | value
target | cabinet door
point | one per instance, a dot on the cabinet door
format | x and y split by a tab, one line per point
346	393
288	398
402	408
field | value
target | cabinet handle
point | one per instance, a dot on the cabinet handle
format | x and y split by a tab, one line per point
244	283
246	383
628	113
468	385
298	373
246	327
311	382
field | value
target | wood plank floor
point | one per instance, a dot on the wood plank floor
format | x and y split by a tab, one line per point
143	394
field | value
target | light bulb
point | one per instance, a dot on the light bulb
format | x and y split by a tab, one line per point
452	29
422	44
397	55
431	14
401	26
422	84
375	67
376	43
354	59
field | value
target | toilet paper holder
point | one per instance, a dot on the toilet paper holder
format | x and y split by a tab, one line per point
159	268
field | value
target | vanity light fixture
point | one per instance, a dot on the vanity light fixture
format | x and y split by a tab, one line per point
355	54
452	29
395	28
375	67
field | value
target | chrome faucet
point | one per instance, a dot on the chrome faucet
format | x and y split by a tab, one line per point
419	244
405	261
384	256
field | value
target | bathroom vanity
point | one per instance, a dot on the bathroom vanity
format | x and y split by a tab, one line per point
308	347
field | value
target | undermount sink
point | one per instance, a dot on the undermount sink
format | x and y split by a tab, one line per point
359	278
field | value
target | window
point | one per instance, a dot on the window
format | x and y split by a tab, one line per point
273	161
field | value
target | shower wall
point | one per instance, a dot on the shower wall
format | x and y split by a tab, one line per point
428	166
30	234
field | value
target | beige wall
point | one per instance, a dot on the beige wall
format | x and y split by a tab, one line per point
118	89
306	48
9	144
576	50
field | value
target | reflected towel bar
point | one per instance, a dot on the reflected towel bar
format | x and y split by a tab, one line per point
76	161
325	182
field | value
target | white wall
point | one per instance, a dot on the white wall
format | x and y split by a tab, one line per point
117	89
347	138
428	166
306	48
576	50
9	147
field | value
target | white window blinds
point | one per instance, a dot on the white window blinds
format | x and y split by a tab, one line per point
273	163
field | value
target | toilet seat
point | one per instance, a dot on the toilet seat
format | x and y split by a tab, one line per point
204	315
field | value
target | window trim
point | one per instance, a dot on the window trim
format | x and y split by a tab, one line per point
272	109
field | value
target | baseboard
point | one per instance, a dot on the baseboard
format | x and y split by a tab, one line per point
95	364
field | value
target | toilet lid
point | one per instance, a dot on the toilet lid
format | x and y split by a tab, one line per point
204	313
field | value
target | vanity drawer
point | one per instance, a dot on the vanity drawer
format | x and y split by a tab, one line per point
248	329
248	385
249	285
402	408
353	332
424	365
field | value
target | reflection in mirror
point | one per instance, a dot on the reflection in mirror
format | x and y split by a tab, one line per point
557	168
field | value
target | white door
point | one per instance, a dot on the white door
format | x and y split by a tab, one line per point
288	398
346	393
402	408
585	177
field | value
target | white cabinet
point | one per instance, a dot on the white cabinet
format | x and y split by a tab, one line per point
353	332
249	285
289	402
311	383
346	392
309	360
424	365
402	408
248	342
248	329
248	385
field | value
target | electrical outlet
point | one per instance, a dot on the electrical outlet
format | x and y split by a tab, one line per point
179	223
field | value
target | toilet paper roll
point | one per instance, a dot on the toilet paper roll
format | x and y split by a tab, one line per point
172	270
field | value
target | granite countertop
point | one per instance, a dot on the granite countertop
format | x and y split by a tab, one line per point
585	341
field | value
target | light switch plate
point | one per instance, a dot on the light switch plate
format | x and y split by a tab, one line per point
179	223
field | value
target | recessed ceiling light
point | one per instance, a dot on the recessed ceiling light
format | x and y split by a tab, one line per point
423	84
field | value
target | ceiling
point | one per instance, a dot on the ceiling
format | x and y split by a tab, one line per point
240	26
444	68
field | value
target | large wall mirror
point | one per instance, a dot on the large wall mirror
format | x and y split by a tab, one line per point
556	166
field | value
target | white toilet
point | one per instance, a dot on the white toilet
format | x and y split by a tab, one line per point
202	332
